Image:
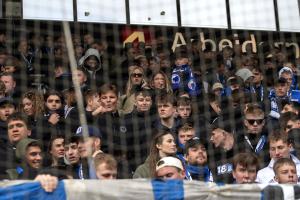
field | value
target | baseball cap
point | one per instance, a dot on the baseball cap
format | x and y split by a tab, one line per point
222	124
193	142
6	100
93	131
169	161
217	86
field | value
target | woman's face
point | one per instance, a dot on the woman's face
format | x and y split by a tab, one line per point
168	146
27	106
159	82
136	77
109	101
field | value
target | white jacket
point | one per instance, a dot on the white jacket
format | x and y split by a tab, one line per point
266	175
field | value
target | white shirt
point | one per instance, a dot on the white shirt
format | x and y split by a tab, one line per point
266	175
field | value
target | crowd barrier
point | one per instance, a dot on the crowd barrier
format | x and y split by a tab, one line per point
145	189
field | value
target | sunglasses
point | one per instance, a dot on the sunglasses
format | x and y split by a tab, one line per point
258	121
136	75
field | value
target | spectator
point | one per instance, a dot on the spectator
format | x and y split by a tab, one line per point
254	134
184	108
285	171
169	168
89	147
279	148
226	145
196	160
10	86
163	145
72	157
166	111
57	151
245	167
135	83
160	82
29	151
106	166
18	128
7	108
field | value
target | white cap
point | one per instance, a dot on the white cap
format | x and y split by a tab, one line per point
169	162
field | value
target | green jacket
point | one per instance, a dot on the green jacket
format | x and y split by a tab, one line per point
143	171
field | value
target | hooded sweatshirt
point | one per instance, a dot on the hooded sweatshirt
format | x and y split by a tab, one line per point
23	170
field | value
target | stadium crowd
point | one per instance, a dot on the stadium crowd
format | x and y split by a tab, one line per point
224	117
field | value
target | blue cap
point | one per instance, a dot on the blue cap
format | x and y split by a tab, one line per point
93	131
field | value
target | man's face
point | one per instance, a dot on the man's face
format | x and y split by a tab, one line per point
104	172
217	137
17	130
34	157
288	77
168	173
258	77
109	101
9	83
286	174
279	149
81	77
53	102
143	103
244	175
165	110
289	108
291	125
57	148
6	110
281	89
71	153
184	136
181	61
94	102
87	147
184	111
254	123
197	155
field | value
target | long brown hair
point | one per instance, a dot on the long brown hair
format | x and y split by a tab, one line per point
154	152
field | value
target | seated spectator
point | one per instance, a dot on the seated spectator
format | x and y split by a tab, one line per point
57	151
184	108
135	83
185	132
163	145
276	96
29	152
196	160
254	134
7	108
166	111
285	171
225	146
279	147
18	128
245	167
288	121
106	166
159	82
32	105
168	168
53	121
217	89
116	131
72	158
89	147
